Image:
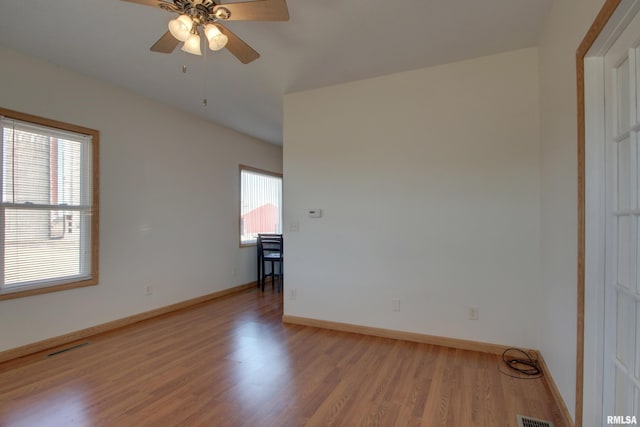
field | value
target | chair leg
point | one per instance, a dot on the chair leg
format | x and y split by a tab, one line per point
279	276
273	275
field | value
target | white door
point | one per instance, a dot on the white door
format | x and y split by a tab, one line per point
621	379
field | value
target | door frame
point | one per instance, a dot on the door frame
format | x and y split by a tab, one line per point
613	18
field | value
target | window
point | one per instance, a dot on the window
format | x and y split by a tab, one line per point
48	212
260	204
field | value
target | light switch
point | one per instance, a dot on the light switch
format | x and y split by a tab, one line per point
315	213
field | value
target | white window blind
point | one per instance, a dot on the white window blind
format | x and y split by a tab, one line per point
46	205
260	204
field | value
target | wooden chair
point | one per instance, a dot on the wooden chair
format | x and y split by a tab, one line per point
270	250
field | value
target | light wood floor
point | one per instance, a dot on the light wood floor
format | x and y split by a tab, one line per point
232	362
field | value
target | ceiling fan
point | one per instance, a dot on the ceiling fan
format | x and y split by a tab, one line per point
205	16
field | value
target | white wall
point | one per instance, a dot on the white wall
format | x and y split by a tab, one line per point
565	28
169	201
429	185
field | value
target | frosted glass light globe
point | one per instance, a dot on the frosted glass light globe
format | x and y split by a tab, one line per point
192	45
217	40
180	28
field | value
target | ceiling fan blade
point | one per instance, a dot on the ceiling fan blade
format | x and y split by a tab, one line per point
165	5
258	10
154	3
165	44
238	47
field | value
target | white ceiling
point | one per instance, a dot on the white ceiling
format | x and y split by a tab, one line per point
325	42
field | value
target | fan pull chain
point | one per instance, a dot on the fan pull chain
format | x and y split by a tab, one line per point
204	78
184	64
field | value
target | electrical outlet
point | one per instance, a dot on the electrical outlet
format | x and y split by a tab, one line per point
293	293
474	313
148	290
395	304
234	271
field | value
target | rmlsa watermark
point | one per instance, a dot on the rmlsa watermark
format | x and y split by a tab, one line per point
620	420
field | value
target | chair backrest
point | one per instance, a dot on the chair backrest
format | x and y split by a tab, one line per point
270	244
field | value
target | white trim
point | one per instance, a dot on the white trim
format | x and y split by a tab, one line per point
595	209
594	237
601	218
623	15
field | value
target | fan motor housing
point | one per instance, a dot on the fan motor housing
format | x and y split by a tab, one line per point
201	10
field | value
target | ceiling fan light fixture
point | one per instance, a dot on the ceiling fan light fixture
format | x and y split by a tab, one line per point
180	28
222	12
192	16
216	39
192	45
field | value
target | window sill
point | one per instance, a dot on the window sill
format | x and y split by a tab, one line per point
11	294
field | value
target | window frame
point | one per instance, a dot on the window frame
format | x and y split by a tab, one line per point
259	171
95	199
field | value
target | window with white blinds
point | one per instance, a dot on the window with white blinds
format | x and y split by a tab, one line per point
260	204
47	206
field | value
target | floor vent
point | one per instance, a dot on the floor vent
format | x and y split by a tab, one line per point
64	350
532	422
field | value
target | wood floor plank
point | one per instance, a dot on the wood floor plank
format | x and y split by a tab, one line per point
232	362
